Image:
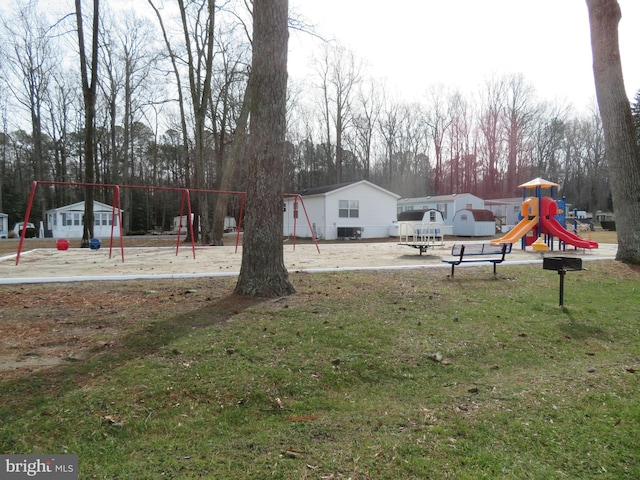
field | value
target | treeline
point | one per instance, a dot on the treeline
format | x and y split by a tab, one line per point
172	112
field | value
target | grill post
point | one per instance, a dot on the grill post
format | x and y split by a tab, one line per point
562	265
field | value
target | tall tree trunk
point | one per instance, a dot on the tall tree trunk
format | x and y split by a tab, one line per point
89	86
623	154
263	272
230	162
181	104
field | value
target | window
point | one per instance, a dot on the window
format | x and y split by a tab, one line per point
76	219
349	208
443	208
104	219
432	216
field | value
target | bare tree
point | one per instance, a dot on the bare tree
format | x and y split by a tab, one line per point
622	151
339	74
389	128
364	123
229	118
438	121
173	57
63	104
32	62
548	139
263	272
490	124
198	31
519	112
129	62
89	74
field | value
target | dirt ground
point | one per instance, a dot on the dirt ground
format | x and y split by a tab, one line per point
67	306
157	258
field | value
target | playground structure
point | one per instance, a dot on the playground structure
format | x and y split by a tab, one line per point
542	220
185	212
421	229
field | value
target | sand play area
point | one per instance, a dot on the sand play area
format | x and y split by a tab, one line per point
77	264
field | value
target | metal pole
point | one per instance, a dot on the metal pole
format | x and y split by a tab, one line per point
561	273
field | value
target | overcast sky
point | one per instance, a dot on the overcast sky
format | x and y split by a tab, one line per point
415	43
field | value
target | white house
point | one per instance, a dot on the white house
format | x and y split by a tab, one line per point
349	210
4	225
67	222
447	204
470	222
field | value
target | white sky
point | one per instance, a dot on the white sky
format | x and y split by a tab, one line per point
463	43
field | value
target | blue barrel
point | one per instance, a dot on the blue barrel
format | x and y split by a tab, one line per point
94	244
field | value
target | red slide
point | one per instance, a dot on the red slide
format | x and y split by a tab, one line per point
552	226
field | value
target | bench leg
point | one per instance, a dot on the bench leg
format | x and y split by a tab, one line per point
494	268
452	268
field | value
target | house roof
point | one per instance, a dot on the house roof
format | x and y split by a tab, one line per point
483	215
503	201
437	198
79	207
322	190
415	215
340	186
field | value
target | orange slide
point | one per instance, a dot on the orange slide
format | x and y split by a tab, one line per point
517	232
529	211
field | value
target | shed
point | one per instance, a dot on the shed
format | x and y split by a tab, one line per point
4	225
68	221
347	210
421	229
412	223
447	204
469	222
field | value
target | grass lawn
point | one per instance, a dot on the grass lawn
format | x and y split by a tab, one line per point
362	375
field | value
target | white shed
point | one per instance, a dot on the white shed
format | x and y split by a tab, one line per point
469	222
447	204
67	222
4	225
348	210
421	229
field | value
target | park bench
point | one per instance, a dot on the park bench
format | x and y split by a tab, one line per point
478	252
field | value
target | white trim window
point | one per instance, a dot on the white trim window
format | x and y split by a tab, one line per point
348	208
